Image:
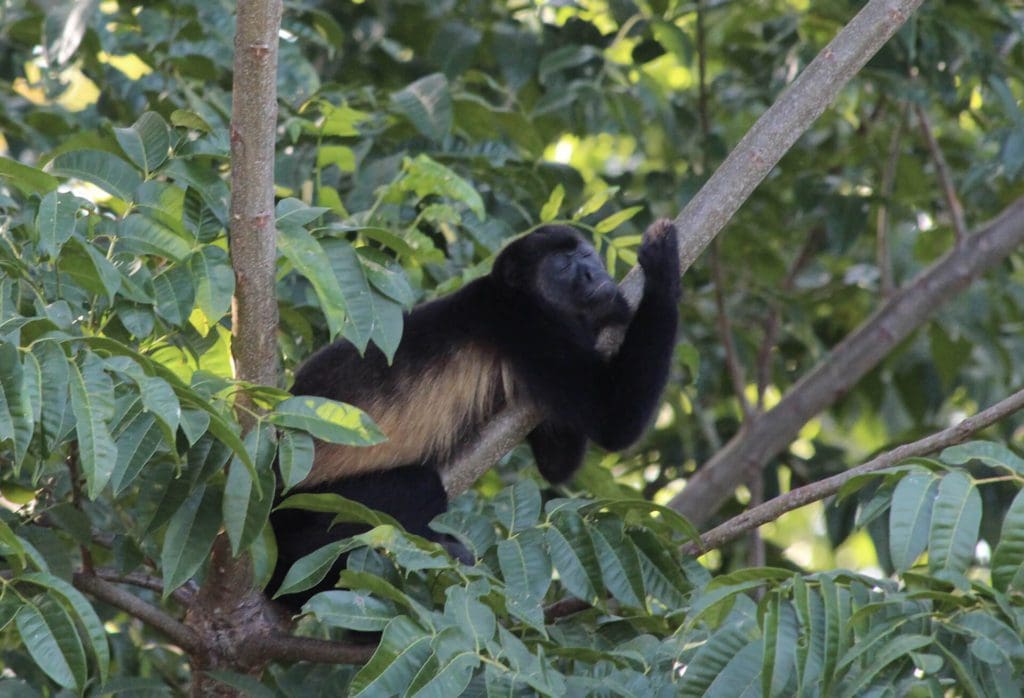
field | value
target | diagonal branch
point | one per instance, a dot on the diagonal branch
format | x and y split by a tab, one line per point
718	200
179	633
770	433
794	499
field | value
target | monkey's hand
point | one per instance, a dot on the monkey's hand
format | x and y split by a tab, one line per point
659	258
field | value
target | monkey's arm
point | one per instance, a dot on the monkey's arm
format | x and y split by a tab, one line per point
629	388
558	450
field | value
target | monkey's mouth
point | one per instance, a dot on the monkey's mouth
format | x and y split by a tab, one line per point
602	294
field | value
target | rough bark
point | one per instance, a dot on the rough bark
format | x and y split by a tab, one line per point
228	608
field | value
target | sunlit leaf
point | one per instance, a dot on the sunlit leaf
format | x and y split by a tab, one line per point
427	104
107	171
327	420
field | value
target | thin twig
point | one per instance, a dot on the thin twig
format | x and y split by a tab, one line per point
771	322
956	210
732	361
884	250
183	595
179	633
794	499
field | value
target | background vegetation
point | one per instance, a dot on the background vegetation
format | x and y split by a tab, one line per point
415	137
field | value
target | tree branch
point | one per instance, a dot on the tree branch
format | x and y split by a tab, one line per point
183	595
794	499
732	359
179	633
288	648
956	210
228	607
719	199
770	433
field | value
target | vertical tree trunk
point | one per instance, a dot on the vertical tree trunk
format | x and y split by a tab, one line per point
228	608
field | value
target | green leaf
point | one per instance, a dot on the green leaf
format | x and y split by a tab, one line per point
595	202
403	649
50	636
616	219
310	260
89	268
371	316
518	508
159	399
892	650
137	441
175	294
526	568
988	452
145	235
351	609
309	570
425	177
327	420
713	656
427	104
573	555
54	403
295	457
51	640
463	610
224	430
778	667
56	220
107	171
189	537
444	673
92	401
956	518
247	502
741	676
293	213
662	578
16	413
147	142
1008	557
549	211
620	566
28	180
189	119
389	280
83	613
910	517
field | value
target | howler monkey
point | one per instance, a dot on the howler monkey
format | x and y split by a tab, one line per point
526	332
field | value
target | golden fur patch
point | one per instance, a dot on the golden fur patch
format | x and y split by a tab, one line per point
436	408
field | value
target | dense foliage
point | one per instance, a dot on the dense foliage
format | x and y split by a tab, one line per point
415	138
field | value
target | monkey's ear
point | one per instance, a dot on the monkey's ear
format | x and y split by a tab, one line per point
510	270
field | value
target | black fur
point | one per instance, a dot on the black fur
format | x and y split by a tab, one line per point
539	313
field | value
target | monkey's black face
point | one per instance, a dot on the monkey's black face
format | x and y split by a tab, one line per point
572	281
564	274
